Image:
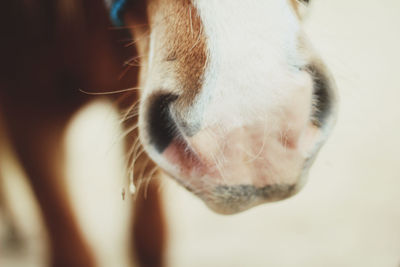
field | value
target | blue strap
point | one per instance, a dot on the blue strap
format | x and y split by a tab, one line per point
117	11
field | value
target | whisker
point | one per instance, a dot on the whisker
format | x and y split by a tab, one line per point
124	72
128	131
218	164
135	64
110	92
148	180
116	28
131	112
146	34
135	158
132	115
135	58
257	155
131	157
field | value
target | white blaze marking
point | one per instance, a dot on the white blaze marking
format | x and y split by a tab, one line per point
252	53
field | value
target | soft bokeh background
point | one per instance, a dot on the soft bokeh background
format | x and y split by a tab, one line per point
347	215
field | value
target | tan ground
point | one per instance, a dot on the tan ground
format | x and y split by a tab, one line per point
347	215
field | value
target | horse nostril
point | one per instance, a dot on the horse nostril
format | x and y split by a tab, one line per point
162	127
322	95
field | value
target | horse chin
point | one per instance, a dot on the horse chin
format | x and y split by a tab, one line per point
234	199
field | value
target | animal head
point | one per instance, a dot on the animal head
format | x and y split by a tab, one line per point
235	103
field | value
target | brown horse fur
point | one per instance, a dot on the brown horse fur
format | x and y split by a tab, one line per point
50	50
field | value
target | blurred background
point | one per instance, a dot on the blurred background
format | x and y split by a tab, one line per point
347	215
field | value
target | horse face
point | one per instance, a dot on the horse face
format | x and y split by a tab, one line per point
234	104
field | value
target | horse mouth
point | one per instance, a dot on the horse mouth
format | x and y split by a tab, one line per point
218	196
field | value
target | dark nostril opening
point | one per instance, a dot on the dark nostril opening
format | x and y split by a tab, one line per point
162	128
322	95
